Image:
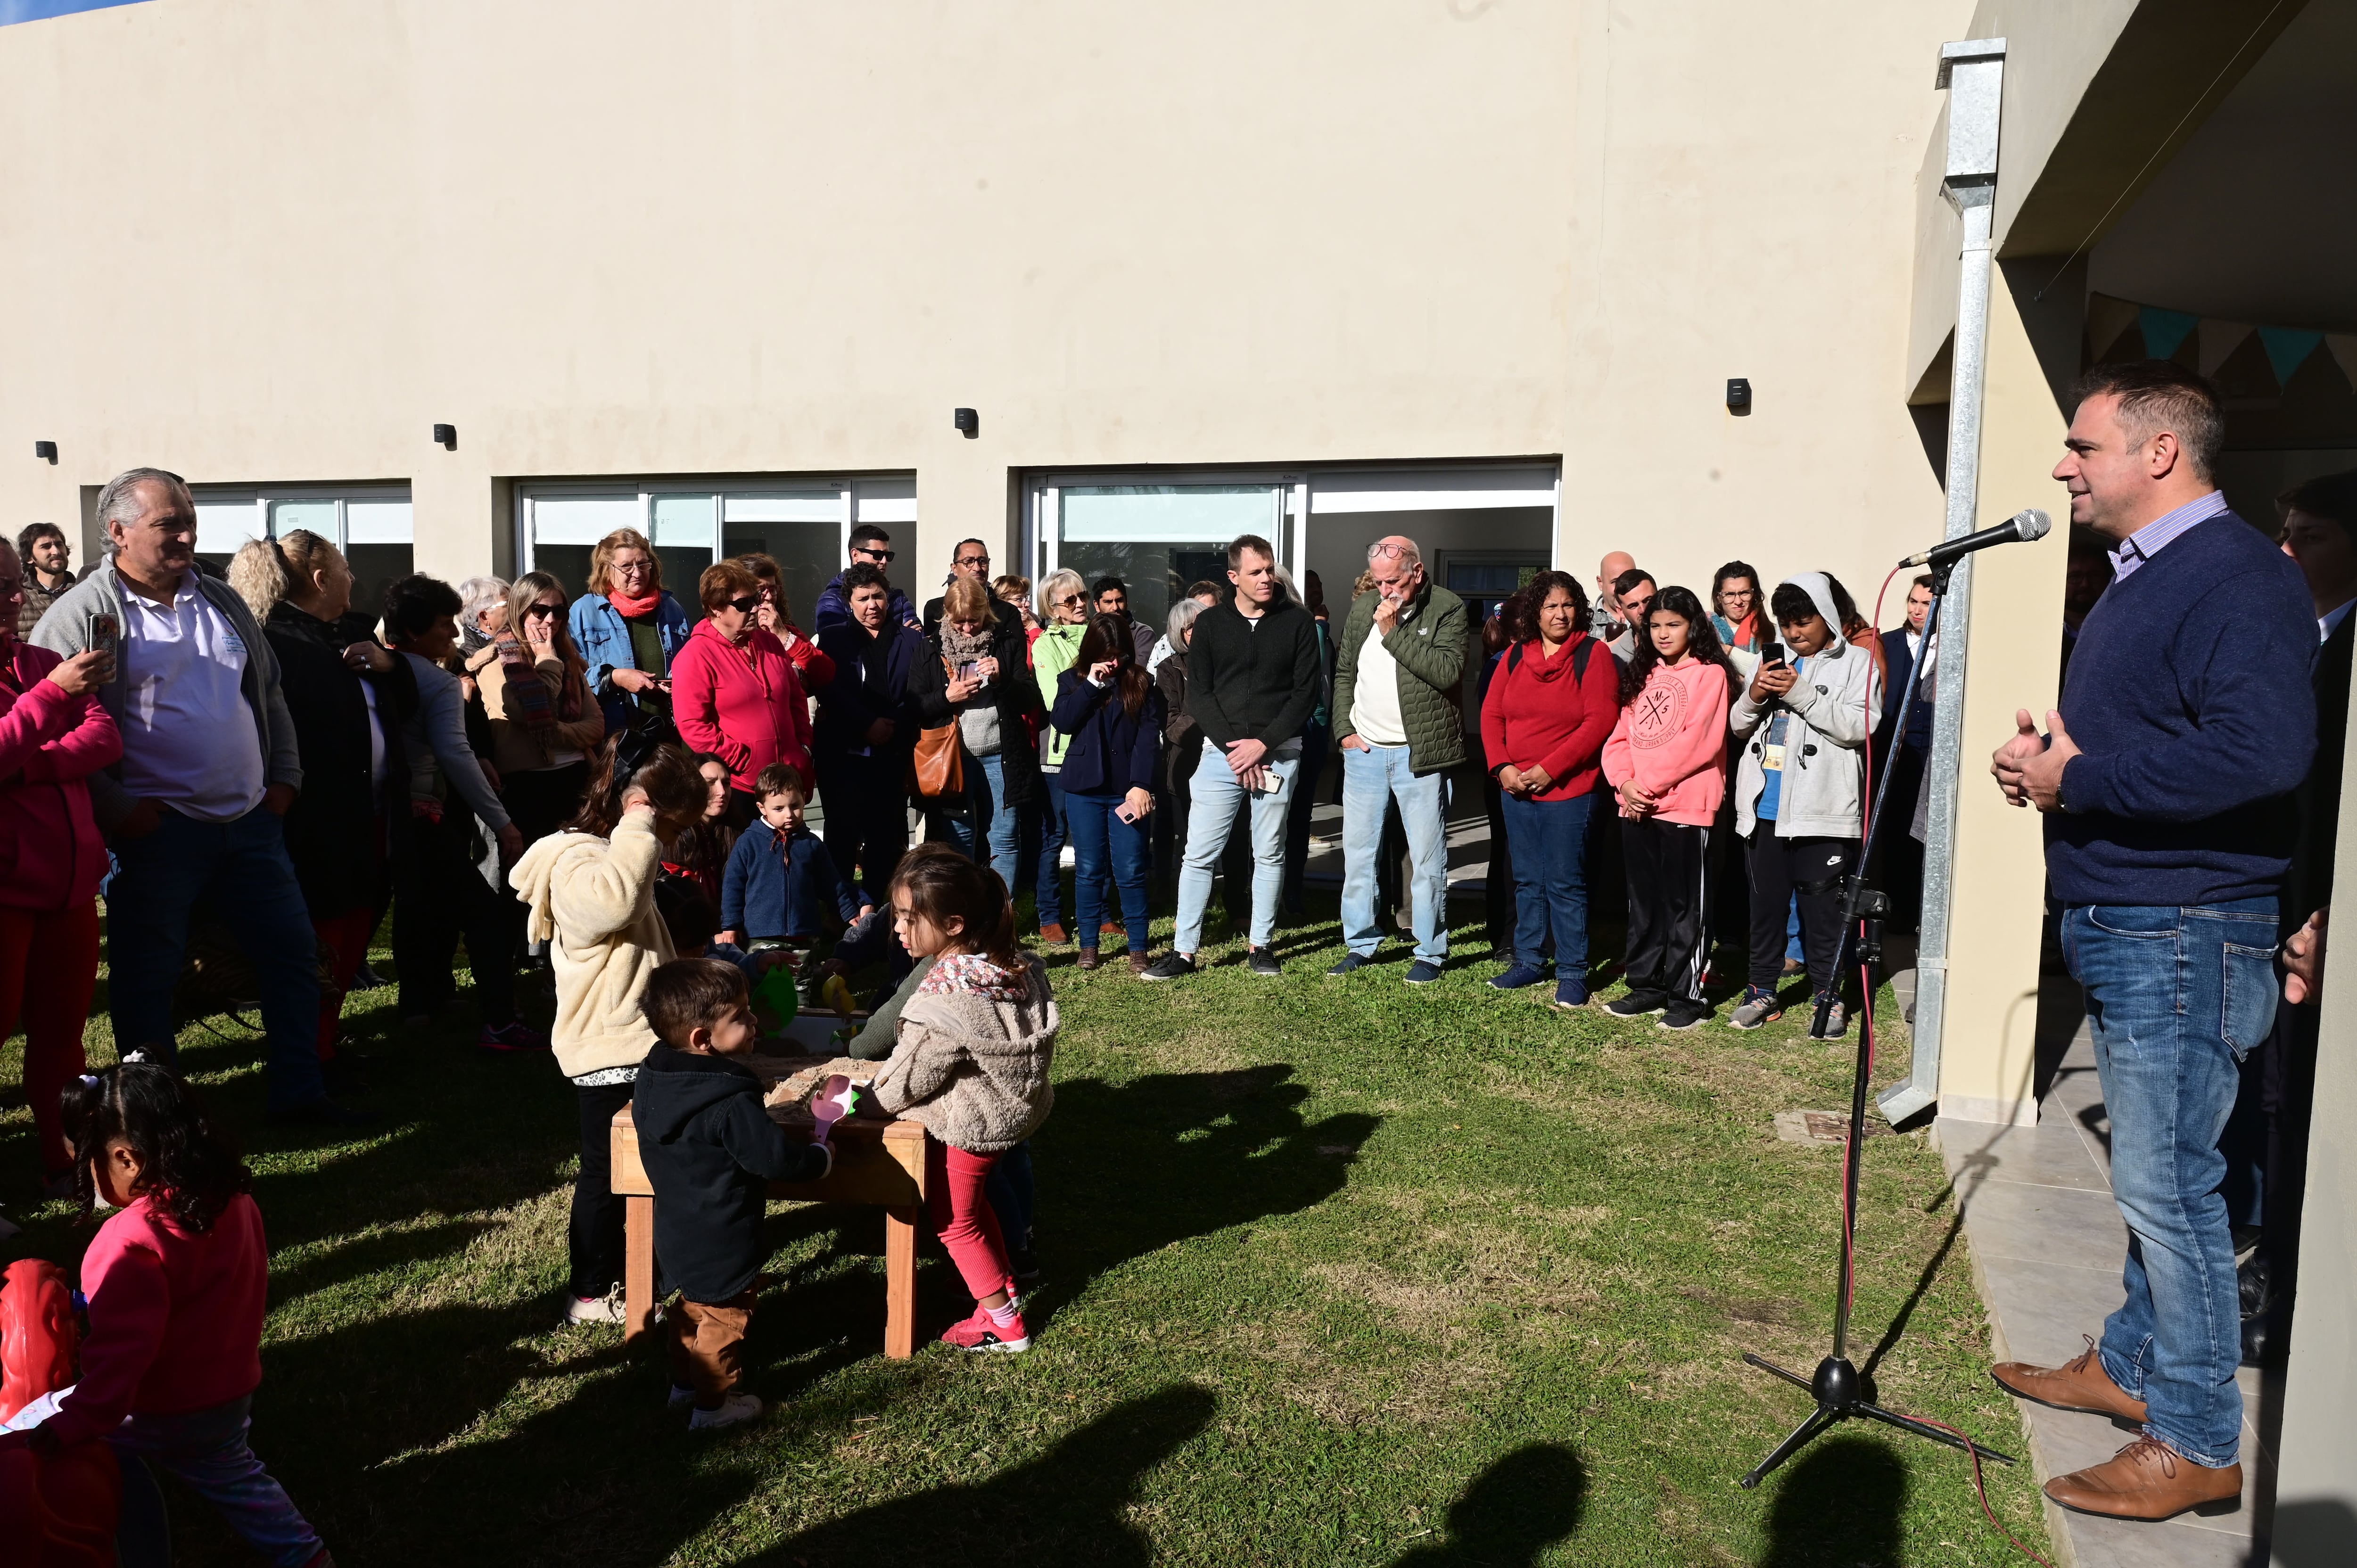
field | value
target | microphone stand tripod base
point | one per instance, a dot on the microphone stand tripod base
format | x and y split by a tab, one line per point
1840	1394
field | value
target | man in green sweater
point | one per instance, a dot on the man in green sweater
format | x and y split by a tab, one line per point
1398	665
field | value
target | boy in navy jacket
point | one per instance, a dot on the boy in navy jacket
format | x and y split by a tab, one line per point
780	879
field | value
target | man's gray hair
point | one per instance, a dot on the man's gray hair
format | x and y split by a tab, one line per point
119	500
1182	616
1409	554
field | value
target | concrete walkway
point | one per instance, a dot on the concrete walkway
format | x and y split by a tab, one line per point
2047	1244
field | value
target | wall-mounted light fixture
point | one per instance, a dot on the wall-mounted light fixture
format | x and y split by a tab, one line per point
968	422
1738	395
446	436
46	451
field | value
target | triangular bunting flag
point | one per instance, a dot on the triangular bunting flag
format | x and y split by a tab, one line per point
2219	341
2108	321
2164	329
2344	349
2287	350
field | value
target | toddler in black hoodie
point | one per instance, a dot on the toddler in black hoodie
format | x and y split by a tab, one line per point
710	1151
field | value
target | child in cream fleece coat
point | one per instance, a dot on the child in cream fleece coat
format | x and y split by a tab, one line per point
590	892
1667	761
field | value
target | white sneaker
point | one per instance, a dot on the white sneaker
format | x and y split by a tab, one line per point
607	1308
734	1408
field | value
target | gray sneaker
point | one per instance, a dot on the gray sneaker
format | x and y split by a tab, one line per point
1758	1007
1836	1023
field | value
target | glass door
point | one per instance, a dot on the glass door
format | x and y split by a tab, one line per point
1159	539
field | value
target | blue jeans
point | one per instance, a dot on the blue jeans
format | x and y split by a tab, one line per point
1047	893
206	1450
2176	997
1316	741
1012	1194
1100	838
1371	780
987	817
1547	841
1214	797
239	872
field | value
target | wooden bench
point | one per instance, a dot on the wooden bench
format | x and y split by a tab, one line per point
879	1163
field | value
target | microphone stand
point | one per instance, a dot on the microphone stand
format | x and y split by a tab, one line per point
1841	1391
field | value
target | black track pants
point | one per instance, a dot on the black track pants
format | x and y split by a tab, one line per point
1669	908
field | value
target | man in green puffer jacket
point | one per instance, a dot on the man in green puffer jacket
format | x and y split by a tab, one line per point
1398	665
1063	621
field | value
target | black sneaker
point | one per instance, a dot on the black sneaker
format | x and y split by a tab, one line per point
1638	1004
1263	962
1025	1264
1170	966
1684	1015
1351	964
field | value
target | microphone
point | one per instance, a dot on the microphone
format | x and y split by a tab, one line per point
2021	528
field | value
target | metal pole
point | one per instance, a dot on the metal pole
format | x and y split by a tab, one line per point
1974	75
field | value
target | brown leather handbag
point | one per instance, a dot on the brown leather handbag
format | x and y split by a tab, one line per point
937	768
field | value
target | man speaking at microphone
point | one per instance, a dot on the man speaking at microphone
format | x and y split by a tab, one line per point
2165	781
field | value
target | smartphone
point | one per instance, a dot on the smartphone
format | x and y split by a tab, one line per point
105	633
1771	652
972	671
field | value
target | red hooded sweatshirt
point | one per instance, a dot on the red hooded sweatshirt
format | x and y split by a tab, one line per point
1538	714
51	856
742	703
1673	740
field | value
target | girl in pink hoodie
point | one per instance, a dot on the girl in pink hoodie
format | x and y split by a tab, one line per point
1667	761
53	736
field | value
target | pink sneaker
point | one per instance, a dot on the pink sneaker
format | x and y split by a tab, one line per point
979	1333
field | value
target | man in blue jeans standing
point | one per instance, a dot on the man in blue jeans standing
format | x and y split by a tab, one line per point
195	810
2186	723
1251	684
1397	667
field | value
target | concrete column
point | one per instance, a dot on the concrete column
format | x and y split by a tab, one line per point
963	492
464	524
1988	1057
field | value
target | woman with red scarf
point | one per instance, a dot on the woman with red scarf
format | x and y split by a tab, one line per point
629	629
53	736
733	691
1738	614
1551	704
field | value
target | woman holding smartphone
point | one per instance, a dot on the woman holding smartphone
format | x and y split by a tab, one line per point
1113	712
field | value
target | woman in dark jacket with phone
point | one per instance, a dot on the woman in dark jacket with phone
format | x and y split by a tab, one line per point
980	678
1113	714
866	726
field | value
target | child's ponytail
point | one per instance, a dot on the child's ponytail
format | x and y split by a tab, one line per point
187	1162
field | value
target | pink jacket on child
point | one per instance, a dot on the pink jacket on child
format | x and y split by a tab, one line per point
51	856
175	1318
1672	738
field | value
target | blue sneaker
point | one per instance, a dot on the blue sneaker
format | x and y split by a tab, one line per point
1521	975
1351	964
1423	972
1571	991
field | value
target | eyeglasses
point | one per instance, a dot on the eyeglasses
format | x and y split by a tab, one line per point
745	605
631	568
973	560
874	554
1390	552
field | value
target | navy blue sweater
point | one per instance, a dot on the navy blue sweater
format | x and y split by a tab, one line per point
1111	753
2189	697
766	894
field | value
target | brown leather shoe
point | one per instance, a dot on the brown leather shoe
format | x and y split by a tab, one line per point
2081	1385
1053	931
1139	963
1088	958
2146	1480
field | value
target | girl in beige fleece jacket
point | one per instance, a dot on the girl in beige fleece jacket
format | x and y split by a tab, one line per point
971	1064
590	892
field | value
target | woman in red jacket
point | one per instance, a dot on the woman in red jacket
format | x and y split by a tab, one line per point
53	736
1550	709
734	692
812	667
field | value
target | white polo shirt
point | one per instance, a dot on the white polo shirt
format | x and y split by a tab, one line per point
189	738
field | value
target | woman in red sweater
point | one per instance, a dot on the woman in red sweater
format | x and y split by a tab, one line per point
53	736
1667	760
176	1279
1551	706
733	691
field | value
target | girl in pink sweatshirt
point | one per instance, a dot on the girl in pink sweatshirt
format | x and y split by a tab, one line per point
1667	761
176	1279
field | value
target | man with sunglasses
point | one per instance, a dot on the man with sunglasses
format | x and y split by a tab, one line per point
971	559
870	546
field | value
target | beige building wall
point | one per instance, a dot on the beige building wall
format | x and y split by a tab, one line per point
264	240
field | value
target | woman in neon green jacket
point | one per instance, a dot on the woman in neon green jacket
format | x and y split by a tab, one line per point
1063	621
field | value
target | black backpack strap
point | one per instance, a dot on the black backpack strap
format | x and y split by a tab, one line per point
1579	658
1514	657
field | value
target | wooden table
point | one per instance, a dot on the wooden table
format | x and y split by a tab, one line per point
879	1163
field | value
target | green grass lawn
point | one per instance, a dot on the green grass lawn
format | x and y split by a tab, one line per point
1338	1272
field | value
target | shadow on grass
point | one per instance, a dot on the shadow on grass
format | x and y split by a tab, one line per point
1511	1512
1839	1503
1066	1507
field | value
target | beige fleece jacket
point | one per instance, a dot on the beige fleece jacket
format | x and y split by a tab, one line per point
592	901
973	1071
